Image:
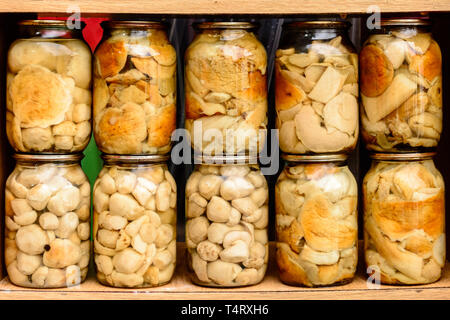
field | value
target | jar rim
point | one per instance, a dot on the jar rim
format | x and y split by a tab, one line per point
46	23
405	22
315	157
48	157
402	156
117	24
319	24
225	25
225	159
135	159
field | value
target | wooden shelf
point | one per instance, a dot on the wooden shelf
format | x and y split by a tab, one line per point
180	288
223	6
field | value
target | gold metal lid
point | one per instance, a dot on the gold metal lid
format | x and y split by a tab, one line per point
404	22
138	159
48	24
225	159
48	157
225	25
403	156
315	157
135	24
319	24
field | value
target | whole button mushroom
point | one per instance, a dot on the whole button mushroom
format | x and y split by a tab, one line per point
236	187
48	221
125	182
31	239
38	196
125	206
65	200
27	264
192	183
197	229
217	231
223	272
61	253
245	205
164	235
208	251
237	252
209	186
162	196
239	171
68	223
218	210
107	184
127	261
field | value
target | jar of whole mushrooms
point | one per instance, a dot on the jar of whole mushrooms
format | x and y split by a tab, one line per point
48	89
225	89
135	212
316	88
226	222
47	220
316	221
401	87
134	89
404	219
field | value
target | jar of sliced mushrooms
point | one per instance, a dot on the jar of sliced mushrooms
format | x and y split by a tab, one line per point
316	88
404	219
47	220
135	211
225	89
134	89
316	221
48	89
401	87
226	222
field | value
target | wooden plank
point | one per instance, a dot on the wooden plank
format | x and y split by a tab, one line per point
223	6
180	288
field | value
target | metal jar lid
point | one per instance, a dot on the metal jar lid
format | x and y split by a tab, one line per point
398	22
225	25
225	159
76	157
319	24
138	159
336	157
402	156
44	23
119	24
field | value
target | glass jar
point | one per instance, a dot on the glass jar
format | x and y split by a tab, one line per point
226	222
316	221
47	220
316	88
135	212
134	89
48	89
225	89
404	219
401	87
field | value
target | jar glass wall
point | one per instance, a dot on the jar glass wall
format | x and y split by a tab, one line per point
225	89
48	89
316	88
134	232
47	206
316	221
226	223
134	89
404	219
401	87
